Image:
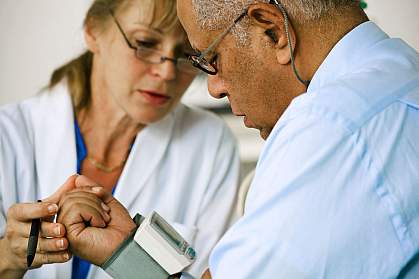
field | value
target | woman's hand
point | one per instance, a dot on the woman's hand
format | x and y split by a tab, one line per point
52	245
84	214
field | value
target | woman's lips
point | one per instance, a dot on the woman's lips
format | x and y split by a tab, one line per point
154	98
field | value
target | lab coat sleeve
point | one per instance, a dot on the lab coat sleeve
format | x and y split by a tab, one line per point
311	212
218	203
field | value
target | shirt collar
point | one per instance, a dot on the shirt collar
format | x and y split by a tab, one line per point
346	54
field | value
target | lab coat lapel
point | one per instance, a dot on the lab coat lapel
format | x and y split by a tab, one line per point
147	152
55	147
55	150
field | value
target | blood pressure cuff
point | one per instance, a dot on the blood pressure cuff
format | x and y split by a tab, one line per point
130	261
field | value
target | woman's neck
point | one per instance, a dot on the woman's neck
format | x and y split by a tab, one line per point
108	132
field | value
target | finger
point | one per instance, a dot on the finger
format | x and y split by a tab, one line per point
82	197
82	180
81	213
22	230
49	258
44	245
27	211
66	187
49	229
99	191
50	245
91	194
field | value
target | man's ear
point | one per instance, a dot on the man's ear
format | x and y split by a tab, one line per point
90	37
272	21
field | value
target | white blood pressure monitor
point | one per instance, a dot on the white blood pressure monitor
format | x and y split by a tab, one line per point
166	246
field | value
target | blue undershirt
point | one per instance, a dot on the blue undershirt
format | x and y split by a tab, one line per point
80	268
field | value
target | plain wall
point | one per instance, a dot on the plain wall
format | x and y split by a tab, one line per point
38	36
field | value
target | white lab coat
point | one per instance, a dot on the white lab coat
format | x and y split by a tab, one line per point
185	167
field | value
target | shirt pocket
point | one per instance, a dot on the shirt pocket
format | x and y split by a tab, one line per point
186	231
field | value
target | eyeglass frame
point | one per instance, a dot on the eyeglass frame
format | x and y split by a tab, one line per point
162	57
197	61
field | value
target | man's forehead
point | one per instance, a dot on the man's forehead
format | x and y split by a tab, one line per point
198	38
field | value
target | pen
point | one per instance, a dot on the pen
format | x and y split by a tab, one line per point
33	240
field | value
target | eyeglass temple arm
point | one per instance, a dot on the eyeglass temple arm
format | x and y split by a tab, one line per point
221	36
120	29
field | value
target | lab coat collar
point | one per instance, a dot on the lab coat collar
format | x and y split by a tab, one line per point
54	131
347	54
143	160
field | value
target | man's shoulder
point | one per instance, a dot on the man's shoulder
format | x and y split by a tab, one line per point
354	100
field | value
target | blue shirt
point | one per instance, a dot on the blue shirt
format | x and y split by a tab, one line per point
80	267
336	190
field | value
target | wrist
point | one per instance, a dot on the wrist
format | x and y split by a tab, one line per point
8	269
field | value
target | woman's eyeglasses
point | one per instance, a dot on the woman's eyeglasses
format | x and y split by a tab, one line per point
153	56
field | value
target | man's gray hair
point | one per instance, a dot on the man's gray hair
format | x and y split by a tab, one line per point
216	14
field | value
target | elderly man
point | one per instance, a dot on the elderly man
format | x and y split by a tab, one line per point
336	188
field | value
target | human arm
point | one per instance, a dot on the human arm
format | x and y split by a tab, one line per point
52	244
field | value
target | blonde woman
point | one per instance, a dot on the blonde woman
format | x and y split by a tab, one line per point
113	114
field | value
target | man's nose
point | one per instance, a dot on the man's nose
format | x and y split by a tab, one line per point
216	87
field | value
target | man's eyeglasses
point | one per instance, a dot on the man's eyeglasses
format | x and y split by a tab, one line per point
209	67
153	56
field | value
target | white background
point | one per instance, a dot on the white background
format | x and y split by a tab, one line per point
38	36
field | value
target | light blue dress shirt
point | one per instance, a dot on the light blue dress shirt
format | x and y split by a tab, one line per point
336	191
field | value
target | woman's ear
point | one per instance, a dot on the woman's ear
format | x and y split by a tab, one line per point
272	22
90	37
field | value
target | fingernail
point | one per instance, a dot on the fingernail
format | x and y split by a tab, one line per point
97	189
108	218
53	208
66	256
57	230
60	243
105	207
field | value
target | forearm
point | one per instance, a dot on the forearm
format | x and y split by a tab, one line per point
7	269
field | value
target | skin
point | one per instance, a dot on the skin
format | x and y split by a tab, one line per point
85	205
119	107
258	79
14	244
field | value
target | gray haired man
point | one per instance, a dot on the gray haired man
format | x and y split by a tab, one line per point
335	193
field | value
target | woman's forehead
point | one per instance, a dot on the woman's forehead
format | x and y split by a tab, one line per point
156	14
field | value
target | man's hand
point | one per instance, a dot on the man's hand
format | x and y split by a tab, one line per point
84	213
206	275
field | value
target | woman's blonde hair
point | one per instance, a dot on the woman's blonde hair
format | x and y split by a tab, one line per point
156	13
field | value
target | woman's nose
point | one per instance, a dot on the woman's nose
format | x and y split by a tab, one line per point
166	69
216	87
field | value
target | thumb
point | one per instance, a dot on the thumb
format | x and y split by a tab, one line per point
82	181
66	187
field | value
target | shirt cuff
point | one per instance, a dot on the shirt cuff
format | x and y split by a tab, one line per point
130	261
